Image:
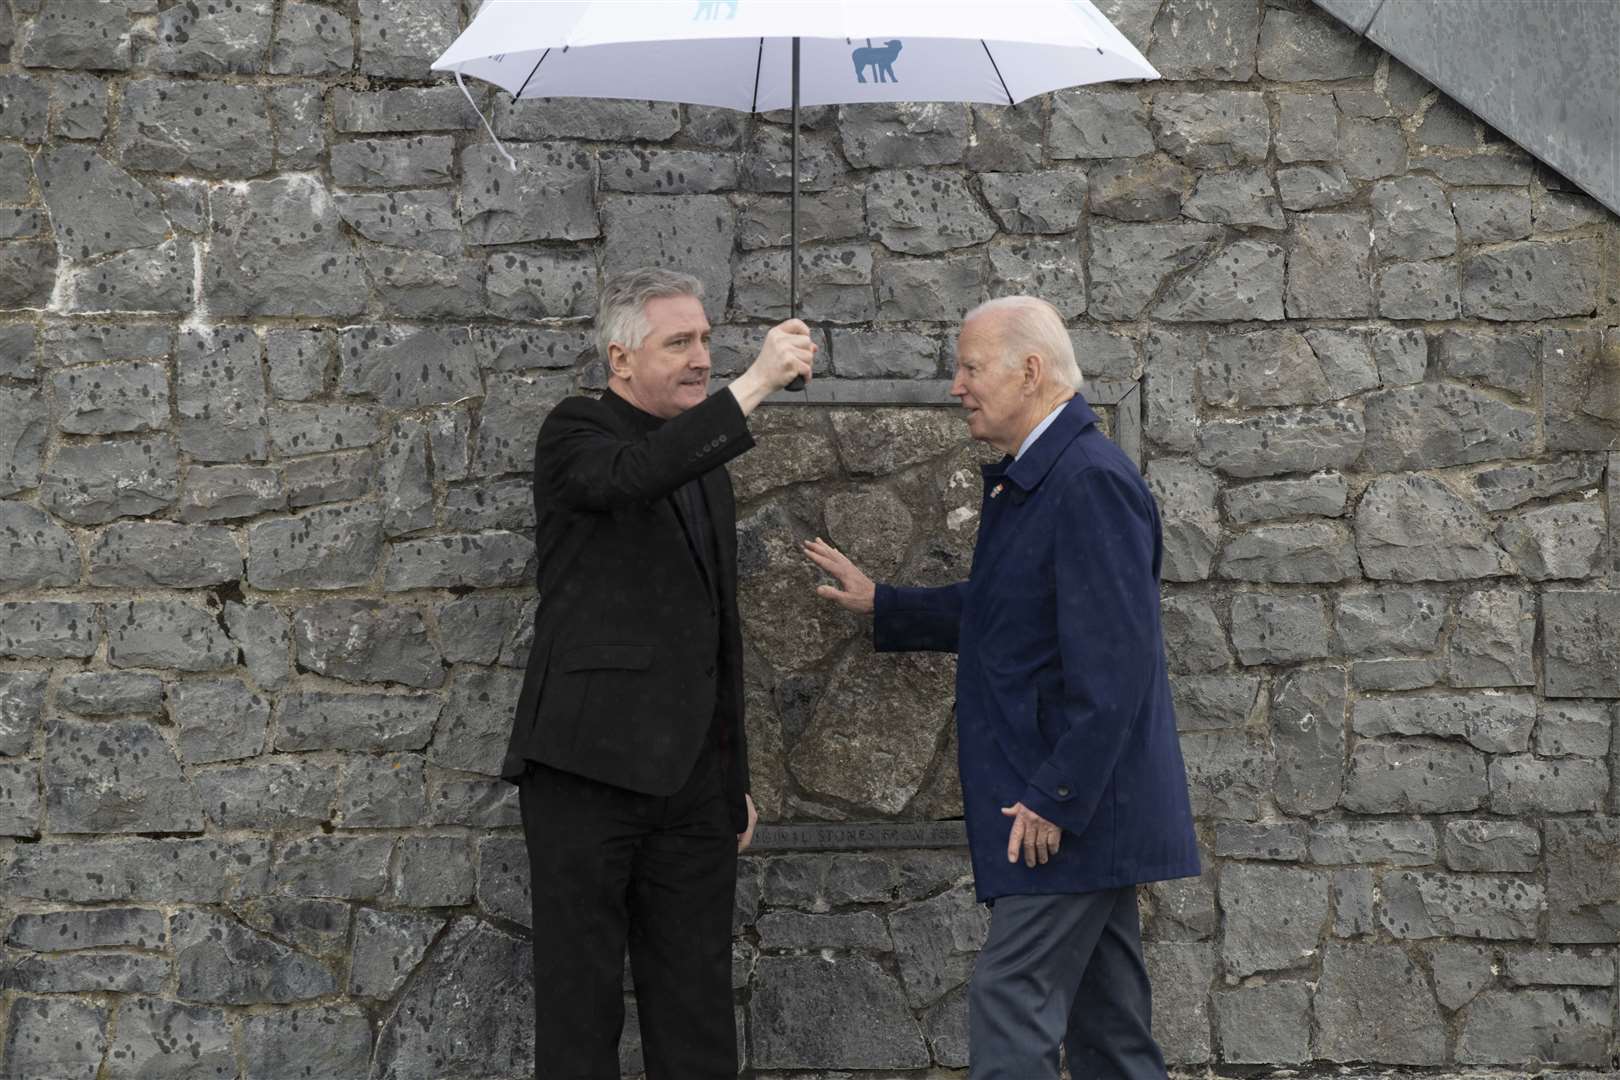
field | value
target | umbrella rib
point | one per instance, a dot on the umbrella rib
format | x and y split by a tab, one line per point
997	66
530	79
758	64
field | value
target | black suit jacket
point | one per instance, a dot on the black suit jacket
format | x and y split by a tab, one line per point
635	654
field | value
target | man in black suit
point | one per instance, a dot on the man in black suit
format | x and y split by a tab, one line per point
628	743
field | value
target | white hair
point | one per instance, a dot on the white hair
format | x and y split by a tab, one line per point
621	314
1031	326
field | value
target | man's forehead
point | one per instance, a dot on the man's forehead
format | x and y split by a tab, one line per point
676	314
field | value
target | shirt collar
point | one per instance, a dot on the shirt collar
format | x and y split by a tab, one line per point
1029	439
1037	456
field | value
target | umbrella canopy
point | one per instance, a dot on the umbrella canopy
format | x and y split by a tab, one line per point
738	53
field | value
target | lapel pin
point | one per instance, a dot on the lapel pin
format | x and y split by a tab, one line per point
996	490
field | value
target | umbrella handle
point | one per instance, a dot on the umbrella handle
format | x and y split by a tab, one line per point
793	213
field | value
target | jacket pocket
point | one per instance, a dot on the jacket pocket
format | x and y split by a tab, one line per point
621	657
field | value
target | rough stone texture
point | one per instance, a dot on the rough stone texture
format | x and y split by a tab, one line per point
1496	723
1578	629
1372	1004
1408	777
1274	916
1412	528
1433	904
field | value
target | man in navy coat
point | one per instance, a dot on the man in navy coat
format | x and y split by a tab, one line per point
1072	777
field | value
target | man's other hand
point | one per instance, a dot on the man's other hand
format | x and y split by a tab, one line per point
746	837
855	591
1038	838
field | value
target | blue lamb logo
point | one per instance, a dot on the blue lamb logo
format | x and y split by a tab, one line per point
880	60
710	9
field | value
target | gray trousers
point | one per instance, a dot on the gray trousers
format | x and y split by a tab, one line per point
1067	970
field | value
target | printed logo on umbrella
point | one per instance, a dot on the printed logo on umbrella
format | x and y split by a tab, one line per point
880	60
710	10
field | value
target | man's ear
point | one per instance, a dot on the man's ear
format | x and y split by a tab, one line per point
618	361
1034	368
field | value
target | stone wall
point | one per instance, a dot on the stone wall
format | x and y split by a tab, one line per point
278	328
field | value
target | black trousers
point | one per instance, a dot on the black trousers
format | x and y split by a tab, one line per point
611	868
1064	969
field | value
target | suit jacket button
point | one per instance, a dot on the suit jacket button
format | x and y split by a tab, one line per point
1063	792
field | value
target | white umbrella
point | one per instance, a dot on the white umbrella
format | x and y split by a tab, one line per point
758	55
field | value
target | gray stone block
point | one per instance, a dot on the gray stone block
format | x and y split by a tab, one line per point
472	628
48	630
1375	623
329	478
218	720
550	198
792	930
1238	197
603	119
312	39
337	867
1130	263
148	553
211	129
167	634
314	720
163	1039
25	422
1281	842
1578	634
60	1038
1491	216
1492	846
884	135
1392	843
203	871
1495	723
381	792
1507	361
503	879
1051	269
1433	904
1048	201
1493	639
412	161
278	250
1426	290
1551	542
1582	856
1184	910
409	109
278	795
114	398
1328	270
96	207
471	732
1310	552
366	641
1141	189
1213	128
62	931
1308	46
147	280
221	961
318	428
1313	187
407	367
1307	129
1182	974
1307	730
1195	40
400	41
1412	528
1372	149
1354	903
387	947
38	551
24	108
808	1012
1098	123
1303	440
18	358
1214	702
1275	629
1408	777
22	704
1571	1027
433	871
1186	495
935	941
1008	137
1532	280
424	219
228	492
1373	1004
214	40
1525	786
1229	774
819	883
110	693
1461	971
1268	1025
323	549
1243	281
919	213
1558	967
1573	729
1170	388
151	794
515	404
19	807
1274	916
1513	485
28	273
1412	219
1324	494
1578	369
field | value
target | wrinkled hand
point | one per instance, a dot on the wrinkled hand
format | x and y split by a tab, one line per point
855	591
1038	838
789	353
746	837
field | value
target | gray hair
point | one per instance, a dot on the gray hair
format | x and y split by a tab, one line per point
621	315
1032	326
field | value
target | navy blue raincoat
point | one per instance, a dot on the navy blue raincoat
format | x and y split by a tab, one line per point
1062	700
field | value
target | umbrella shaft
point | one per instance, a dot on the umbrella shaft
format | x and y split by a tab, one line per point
793	205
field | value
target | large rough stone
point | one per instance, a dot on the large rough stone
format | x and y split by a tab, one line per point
1170	390
110	693
1507	360
227	492
1194	639
1526	786
78	36
113	398
1276	629
472	730
1241	282
164	1039
48	630
1307	729
28	274
1307	129
1274	916
1408	777
1047	201
115	776
1050	269
204	871
212	129
366	641
218	39
876	708
96	207
1514	485
1379	623
401	41
387	947
35	551
1418	290
1205	39
1493	722
167	634
312	39
218	720
1552	542
1571	1027
1433	425
884	135
1149	189
332	1041
1192	530
1493	640
1098	123
1228	774
24	426
55	1037
919	213
814	1013
1321	495
1313	187
1533	280
1412	219
1412	528
476	560
221	961
1373	1004
314	720
1580	377
280	795
1312	552
330	548
278	250
1183	973
1573	729
401	162
1214	702
408	367
1309	46
1492	846
1433	904
155	279
148	553
1238	197
1329	269
22	704
1214	128
1131	263
1396	843
382	792
1301	440
1582	857
550	197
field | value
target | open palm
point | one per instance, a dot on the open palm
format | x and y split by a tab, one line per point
854	591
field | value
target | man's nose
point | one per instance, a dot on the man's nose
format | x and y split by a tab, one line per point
958	388
701	360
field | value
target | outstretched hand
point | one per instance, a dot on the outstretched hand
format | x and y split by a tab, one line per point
854	591
1038	838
